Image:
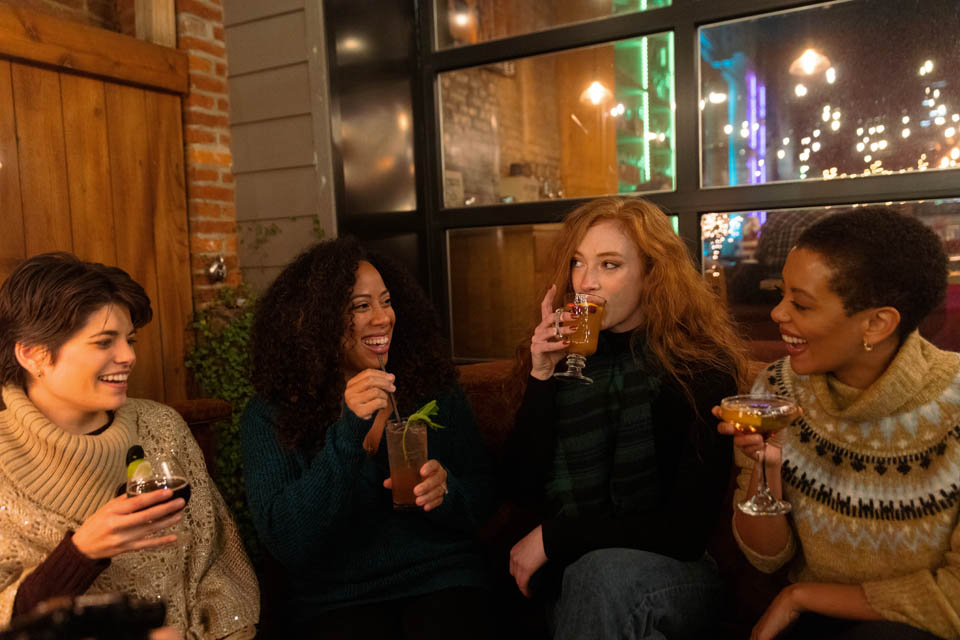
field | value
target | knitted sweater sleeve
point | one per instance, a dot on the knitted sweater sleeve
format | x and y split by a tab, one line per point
299	504
65	572
528	451
460	450
926	599
225	603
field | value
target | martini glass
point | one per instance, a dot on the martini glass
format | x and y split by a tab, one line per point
763	414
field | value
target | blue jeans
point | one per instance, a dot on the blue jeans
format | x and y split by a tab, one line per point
632	594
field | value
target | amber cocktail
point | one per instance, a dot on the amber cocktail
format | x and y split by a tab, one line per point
406	452
587	312
765	415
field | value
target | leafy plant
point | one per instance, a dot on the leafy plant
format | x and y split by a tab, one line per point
220	363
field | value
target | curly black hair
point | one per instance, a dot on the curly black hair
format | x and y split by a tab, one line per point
882	258
298	332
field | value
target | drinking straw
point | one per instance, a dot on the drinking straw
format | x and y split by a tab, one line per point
393	400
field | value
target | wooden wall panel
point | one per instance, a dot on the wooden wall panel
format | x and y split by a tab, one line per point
12	244
43	167
275	41
30	35
133	182
494	294
174	301
88	169
96	168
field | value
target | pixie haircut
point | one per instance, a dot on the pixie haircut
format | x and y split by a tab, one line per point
881	258
49	297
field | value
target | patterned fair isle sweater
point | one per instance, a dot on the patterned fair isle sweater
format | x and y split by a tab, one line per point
874	479
52	480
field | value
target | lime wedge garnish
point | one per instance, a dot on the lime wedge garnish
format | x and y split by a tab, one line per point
140	468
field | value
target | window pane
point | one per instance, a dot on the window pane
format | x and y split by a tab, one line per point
462	22
495	273
585	122
744	252
821	93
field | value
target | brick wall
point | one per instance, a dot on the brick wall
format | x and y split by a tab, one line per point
206	133
206	128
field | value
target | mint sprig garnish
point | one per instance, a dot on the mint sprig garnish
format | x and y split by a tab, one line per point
425	415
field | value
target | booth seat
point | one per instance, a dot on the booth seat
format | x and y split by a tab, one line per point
487	386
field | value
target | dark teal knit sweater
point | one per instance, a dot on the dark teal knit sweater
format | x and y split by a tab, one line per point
328	520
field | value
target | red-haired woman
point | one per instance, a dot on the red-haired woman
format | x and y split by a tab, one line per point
628	471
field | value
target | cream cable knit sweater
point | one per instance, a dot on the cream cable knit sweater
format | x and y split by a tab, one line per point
874	479
51	481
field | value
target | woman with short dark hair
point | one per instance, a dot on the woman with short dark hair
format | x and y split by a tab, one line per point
871	466
67	330
337	333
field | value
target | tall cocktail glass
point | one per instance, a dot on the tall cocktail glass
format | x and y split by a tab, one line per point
407	452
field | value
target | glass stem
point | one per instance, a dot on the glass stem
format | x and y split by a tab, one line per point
764	489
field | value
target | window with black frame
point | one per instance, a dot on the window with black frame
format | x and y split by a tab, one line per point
584	122
736	127
466	22
817	93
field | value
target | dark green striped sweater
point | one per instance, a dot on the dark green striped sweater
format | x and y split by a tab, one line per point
668	496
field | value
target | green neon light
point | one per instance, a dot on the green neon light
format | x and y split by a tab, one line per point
671	96
645	83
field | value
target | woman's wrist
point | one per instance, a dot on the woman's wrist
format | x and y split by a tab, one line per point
541	374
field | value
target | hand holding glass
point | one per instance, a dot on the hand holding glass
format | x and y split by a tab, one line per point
587	310
763	414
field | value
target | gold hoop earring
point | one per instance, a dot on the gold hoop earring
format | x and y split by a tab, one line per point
867	346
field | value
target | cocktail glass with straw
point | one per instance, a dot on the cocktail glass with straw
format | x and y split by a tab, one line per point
406	453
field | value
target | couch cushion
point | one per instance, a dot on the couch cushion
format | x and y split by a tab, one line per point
494	403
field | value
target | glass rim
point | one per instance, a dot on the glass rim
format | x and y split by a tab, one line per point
747	402
392	422
576	297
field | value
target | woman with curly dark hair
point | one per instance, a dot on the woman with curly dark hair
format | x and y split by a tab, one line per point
315	456
871	466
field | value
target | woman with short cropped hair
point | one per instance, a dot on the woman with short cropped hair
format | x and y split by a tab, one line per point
872	466
67	329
